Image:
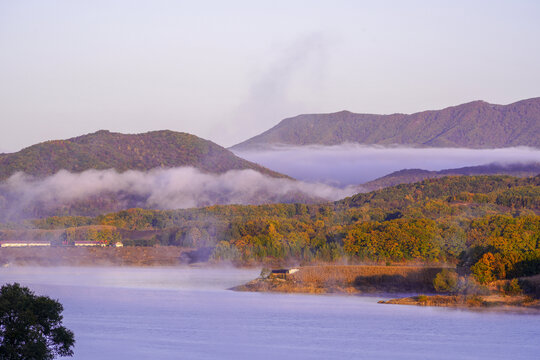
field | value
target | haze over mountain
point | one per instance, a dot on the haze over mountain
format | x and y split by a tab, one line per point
349	163
107	150
477	124
104	171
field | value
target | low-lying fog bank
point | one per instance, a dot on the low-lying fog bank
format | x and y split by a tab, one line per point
96	191
356	164
164	278
325	173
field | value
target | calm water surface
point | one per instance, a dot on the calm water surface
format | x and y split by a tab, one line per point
182	313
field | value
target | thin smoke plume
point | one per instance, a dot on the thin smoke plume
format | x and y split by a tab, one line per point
298	68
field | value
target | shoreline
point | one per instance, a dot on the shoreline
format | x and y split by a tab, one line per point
320	280
492	301
359	280
348	279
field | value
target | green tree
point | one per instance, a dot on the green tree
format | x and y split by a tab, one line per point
31	326
446	281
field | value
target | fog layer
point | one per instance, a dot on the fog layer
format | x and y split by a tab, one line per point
356	164
174	188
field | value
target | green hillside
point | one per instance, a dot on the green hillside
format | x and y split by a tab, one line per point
108	150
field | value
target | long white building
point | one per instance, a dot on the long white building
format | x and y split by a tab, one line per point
23	243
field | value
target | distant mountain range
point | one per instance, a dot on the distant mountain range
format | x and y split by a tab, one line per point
476	124
408	176
108	150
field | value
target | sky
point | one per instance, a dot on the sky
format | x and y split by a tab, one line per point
228	70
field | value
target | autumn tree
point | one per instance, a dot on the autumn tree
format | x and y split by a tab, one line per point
484	269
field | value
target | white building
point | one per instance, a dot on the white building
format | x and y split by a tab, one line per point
23	243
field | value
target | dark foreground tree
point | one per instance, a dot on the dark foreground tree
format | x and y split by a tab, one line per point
31	326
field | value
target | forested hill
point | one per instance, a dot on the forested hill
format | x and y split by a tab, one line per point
108	150
408	176
476	124
524	192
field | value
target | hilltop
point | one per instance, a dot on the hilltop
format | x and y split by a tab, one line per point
477	124
108	150
407	176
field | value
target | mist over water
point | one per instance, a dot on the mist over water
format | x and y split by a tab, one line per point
186	313
152	278
347	164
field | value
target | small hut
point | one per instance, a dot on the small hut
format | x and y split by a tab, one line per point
282	273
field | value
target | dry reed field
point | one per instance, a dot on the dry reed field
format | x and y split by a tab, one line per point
348	274
531	285
349	279
367	277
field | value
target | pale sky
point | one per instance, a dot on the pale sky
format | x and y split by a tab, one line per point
228	70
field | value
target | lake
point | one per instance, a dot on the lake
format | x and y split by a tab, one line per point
188	313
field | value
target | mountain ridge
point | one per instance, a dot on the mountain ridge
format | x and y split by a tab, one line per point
476	124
